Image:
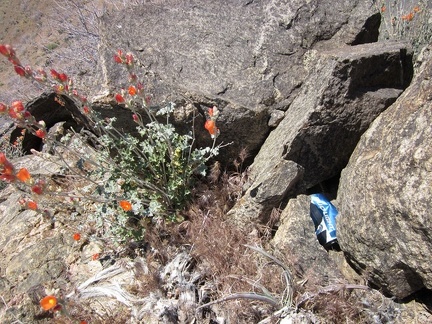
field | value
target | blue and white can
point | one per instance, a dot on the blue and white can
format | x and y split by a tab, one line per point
323	214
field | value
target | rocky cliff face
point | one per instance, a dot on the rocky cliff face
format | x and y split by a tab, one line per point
246	56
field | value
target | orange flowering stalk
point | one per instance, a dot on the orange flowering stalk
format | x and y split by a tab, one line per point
48	302
125	205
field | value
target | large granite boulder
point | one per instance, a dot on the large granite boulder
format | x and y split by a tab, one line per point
243	56
346	89
385	194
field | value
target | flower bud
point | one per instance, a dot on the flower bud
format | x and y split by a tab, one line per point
119	98
20	70
41	133
3	108
129	59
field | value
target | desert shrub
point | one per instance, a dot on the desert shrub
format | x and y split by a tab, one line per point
128	178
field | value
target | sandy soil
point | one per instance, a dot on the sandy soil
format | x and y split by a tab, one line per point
46	34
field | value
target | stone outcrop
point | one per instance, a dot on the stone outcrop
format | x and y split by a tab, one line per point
385	194
346	89
296	237
243	56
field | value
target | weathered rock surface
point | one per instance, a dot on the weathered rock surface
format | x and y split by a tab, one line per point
296	237
385	194
315	270
346	89
244	56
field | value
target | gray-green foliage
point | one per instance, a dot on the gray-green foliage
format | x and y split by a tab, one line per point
153	169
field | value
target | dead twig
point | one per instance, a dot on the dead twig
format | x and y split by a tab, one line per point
327	290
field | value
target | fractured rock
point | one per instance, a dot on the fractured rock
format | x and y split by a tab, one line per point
243	56
346	90
385	194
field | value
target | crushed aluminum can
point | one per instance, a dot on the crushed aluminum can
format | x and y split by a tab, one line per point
323	214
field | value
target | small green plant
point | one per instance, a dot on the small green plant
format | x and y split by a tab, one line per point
51	46
129	178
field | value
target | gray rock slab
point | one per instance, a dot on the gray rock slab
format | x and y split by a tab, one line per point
385	194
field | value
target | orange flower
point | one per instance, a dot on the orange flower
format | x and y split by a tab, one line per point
77	236
15	109
7	174
416	9
48	302
2	158
408	17
118	59
125	205
383	8
132	91
210	125
95	256
23	175
41	133
32	205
